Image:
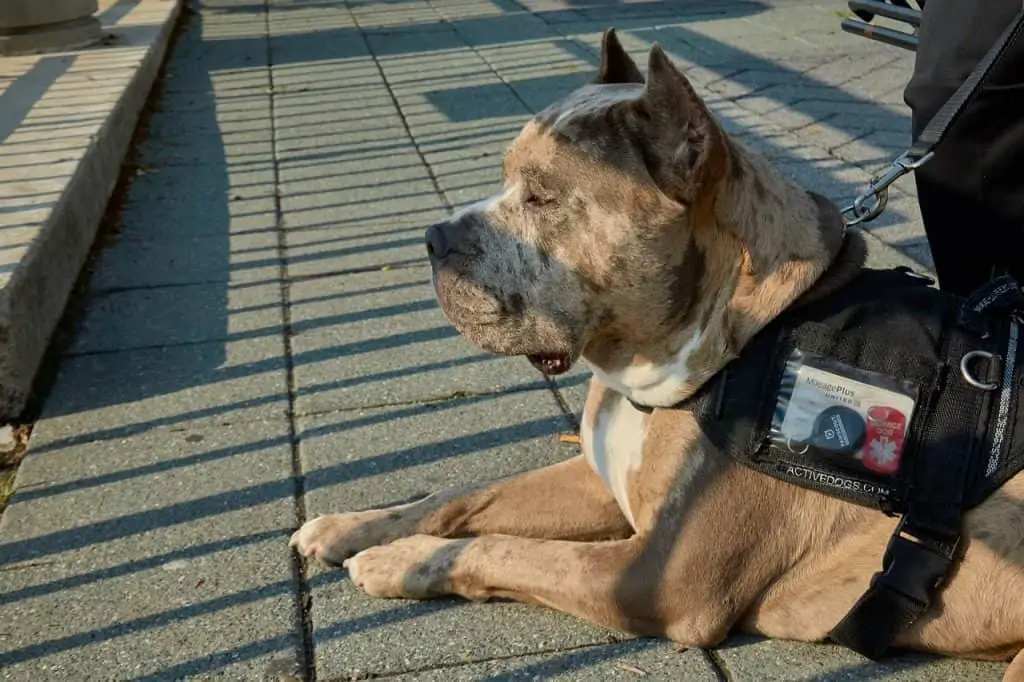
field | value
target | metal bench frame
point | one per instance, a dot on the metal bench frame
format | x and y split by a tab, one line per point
903	11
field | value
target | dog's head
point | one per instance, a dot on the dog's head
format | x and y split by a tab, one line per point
606	239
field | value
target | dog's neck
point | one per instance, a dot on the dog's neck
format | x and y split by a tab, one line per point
767	244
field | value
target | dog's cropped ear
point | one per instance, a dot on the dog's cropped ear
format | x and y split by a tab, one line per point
687	149
616	65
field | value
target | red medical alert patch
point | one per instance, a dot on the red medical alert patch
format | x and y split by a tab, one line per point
883	444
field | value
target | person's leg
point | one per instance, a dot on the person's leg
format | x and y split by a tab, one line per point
971	193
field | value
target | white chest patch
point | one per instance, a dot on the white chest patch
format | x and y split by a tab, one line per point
658	385
613	445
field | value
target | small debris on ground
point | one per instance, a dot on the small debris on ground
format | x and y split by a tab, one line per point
631	669
573	438
13	444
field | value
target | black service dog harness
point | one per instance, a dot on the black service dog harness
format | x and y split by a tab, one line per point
889	394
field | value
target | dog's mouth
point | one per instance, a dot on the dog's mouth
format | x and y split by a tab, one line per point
551	364
479	317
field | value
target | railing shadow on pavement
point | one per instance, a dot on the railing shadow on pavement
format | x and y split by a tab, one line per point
387	462
577	659
344	628
33	110
226	657
19	97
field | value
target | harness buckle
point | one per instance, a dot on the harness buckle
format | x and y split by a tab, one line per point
871	204
915	564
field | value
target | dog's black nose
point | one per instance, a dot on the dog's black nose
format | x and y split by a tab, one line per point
437	245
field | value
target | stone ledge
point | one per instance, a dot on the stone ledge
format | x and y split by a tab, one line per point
32	27
66	122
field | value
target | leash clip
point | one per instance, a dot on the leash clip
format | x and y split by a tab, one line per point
871	204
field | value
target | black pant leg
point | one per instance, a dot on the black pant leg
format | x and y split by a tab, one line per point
972	193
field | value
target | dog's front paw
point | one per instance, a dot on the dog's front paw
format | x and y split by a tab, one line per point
417	567
335	537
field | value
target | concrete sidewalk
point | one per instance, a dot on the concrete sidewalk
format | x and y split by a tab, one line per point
260	342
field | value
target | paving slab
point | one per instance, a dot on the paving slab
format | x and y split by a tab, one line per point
515	27
377	16
170	260
198	138
361	458
108	396
341	144
755	660
455	10
210	200
363	227
374	121
187	314
210	45
295	19
641	659
874	149
163	558
228	86
308	226
356	459
384	244
361	200
377	338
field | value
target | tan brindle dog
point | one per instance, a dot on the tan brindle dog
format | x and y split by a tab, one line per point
632	232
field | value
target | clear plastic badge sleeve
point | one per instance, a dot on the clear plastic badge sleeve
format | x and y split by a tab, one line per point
851	417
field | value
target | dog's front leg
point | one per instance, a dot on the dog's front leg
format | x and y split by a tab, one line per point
563	501
611	583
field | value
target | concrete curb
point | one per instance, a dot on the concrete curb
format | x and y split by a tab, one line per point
33	299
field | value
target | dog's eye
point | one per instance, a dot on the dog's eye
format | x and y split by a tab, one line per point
537	199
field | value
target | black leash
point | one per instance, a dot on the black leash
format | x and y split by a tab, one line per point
870	205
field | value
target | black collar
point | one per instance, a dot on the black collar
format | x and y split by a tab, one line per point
645	408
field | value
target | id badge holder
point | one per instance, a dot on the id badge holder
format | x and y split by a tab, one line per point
843	415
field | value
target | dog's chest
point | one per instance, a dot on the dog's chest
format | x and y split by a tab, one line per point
612	436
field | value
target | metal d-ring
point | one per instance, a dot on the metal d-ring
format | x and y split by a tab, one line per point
789	446
965	370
